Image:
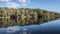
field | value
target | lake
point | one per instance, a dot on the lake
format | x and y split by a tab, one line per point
52	27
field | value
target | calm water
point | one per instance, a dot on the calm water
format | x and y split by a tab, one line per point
52	27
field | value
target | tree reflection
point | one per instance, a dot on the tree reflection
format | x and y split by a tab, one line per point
27	21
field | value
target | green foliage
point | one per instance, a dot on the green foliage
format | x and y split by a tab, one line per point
26	16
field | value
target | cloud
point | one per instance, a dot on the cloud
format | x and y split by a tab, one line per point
23	1
5	0
15	5
9	3
25	29
12	29
24	4
12	5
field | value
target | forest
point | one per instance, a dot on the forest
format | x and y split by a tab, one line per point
25	16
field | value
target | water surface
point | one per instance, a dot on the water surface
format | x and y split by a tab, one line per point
52	27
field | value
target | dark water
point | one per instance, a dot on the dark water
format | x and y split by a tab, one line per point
52	27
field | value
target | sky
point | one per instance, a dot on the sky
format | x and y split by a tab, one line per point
50	5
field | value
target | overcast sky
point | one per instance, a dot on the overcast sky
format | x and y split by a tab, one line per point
51	5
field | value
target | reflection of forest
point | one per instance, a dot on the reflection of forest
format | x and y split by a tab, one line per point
4	22
13	17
